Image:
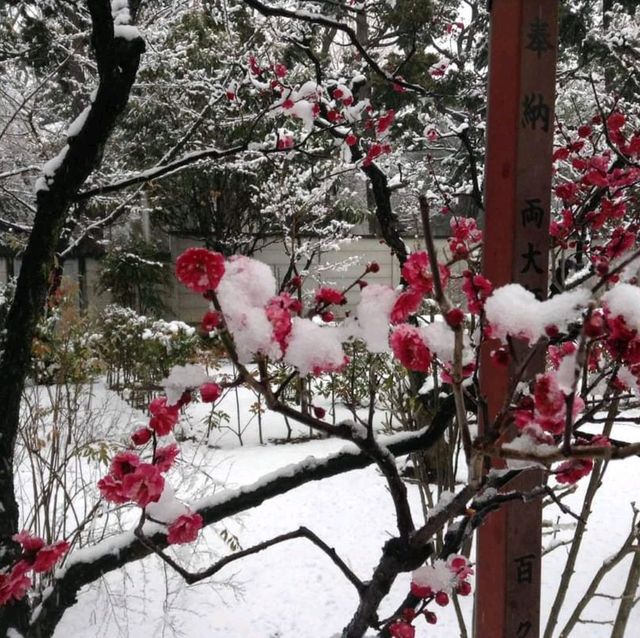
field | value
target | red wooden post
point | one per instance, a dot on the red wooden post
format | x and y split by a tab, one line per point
522	65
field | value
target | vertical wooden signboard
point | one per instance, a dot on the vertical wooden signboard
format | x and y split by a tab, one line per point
522	67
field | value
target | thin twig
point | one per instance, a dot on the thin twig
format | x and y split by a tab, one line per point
445	306
301	532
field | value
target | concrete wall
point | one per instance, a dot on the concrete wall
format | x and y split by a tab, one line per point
336	268
84	286
95	302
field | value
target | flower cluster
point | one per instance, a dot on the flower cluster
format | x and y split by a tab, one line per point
131	479
264	323
477	290
417	273
465	236
36	556
600	155
546	411
440	579
547	408
436	583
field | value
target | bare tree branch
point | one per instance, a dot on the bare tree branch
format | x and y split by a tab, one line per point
301	532
84	567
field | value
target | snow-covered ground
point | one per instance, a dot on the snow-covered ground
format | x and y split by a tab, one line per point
292	590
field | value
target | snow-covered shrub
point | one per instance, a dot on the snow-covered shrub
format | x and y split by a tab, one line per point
138	351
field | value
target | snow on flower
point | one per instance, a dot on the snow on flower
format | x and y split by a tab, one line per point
305	111
629	379
440	339
200	269
182	378
459	565
354	113
252	333
314	348
247	281
167	508
184	529
243	293
513	310
373	316
624	300
566	371
434	578
309	90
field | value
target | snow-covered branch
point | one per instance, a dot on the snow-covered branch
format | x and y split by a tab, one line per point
86	565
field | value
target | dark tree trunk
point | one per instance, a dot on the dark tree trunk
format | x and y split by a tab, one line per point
118	61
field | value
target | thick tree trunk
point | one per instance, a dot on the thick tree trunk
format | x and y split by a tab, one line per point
118	61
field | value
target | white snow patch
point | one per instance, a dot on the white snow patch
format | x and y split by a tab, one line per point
311	346
373	312
126	32
182	378
76	126
624	299
245	288
513	310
